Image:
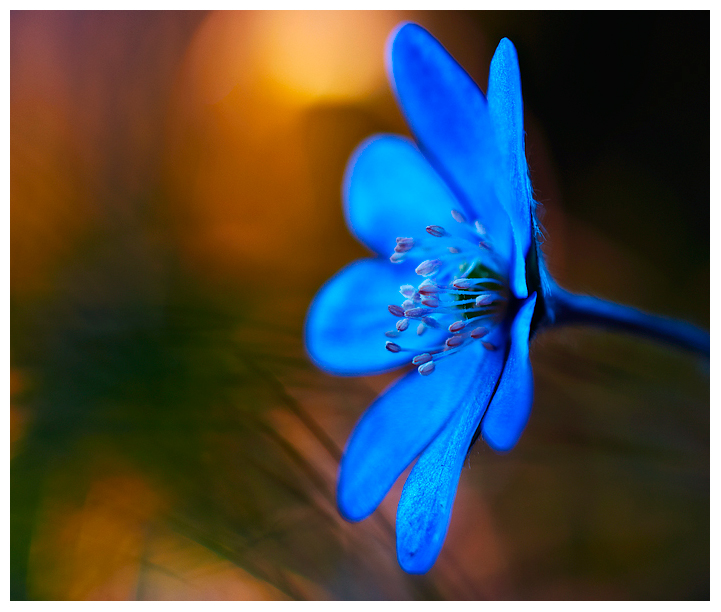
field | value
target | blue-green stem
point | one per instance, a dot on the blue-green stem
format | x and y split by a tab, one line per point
563	307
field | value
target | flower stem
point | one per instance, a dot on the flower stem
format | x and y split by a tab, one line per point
564	308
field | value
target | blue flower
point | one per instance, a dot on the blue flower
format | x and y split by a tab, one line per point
464	290
456	215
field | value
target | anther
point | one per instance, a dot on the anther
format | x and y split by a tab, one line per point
430	301
426	368
392	334
422	358
428	287
407	290
431	322
428	267
454	341
453	250
407	304
396	311
404	244
402	325
458	216
479	332
396	257
420	329
484	299
436	230
417	312
480	229
465	283
457	326
393	347
488	346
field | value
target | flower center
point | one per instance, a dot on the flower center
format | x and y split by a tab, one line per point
464	289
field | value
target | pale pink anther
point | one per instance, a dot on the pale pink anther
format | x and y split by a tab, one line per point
479	332
431	322
454	341
393	347
414	313
426	368
430	301
484	299
422	358
488	346
458	216
402	325
396	311
457	326
428	287
428	267
407	290
464	283
396	257
436	230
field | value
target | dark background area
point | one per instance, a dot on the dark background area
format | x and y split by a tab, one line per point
175	204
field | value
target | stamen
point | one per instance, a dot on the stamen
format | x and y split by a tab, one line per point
430	322
397	258
396	311
420	329
458	216
480	229
470	283
457	326
488	346
393	347
407	290
415	313
430	301
479	332
454	341
422	358
392	334
428	267
407	304
404	244
484	299
428	287
402	325
436	230
426	368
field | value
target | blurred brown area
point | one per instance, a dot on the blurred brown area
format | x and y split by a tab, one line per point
175	204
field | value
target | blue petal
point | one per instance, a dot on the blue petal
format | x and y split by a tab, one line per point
424	511
390	190
344	330
511	405
399	425
448	114
505	104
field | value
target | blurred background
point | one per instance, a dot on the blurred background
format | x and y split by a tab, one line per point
175	205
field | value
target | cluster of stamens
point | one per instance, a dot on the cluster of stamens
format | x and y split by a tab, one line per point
462	290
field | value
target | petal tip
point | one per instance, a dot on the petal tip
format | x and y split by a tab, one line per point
349	502
414	564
